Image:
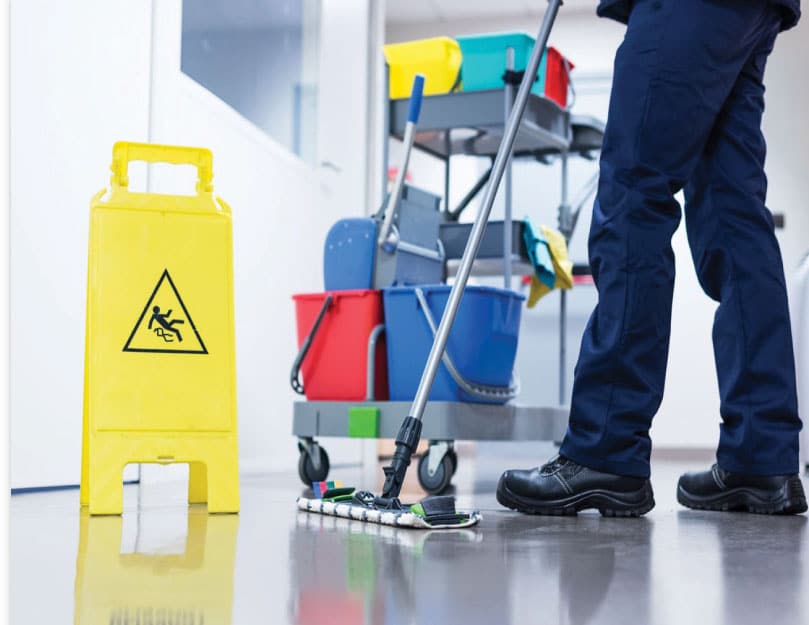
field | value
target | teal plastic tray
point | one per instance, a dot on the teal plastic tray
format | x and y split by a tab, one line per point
484	60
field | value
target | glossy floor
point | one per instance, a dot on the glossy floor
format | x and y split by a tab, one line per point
163	563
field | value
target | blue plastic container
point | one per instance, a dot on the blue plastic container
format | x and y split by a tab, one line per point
482	343
484	60
348	256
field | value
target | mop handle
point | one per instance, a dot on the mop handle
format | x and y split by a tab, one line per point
413	111
479	227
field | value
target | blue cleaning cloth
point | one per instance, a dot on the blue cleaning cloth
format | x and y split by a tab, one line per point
540	255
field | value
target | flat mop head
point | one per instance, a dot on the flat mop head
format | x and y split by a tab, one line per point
431	513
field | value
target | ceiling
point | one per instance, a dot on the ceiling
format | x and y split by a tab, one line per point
403	11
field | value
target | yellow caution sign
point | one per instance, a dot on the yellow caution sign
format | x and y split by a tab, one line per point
160	375
149	585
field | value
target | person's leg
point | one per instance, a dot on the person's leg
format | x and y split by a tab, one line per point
673	72
739	265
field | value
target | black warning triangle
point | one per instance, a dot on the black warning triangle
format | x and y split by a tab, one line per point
164	326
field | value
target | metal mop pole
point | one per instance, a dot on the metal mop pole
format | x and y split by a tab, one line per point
564	226
410	432
507	240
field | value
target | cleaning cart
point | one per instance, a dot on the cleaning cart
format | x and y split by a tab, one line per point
469	122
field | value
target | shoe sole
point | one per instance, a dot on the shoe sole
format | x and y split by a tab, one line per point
789	499
608	503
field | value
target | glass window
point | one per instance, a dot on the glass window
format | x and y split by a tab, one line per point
261	58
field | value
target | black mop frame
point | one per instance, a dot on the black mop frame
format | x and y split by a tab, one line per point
410	432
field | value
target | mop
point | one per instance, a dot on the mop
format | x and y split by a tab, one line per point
434	512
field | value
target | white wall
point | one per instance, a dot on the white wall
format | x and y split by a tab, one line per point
282	210
689	414
79	82
82	83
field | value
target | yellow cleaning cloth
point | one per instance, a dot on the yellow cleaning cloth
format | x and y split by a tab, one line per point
561	265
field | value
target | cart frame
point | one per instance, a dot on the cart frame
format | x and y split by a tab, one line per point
547	133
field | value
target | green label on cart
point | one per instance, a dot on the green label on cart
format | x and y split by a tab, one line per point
363	422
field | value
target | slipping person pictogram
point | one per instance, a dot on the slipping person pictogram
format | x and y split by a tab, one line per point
167	328
163	320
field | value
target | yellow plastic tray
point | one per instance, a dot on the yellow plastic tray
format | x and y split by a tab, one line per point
439	59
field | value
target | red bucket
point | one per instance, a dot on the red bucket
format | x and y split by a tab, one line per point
336	365
557	77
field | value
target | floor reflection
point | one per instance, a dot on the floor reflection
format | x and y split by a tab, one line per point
563	570
763	574
164	563
151	585
350	573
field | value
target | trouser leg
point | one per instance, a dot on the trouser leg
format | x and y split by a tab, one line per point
738	262
674	71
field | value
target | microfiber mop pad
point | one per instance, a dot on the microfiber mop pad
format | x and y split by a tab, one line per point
429	513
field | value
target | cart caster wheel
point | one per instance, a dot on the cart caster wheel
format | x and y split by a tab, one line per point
436	483
306	468
453	456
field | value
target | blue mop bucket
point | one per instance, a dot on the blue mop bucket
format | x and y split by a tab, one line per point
479	360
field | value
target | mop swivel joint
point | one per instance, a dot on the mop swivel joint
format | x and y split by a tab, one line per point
406	442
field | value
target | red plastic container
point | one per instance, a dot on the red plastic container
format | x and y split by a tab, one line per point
557	77
336	366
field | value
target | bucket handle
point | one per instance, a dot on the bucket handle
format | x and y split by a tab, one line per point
294	374
370	378
125	151
480	391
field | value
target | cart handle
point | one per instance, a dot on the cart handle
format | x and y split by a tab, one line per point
416	93
392	201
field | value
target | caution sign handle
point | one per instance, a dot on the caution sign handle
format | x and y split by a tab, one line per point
124	151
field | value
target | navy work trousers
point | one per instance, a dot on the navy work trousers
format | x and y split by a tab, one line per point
685	113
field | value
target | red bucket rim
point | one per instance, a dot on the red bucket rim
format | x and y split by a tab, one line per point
336	294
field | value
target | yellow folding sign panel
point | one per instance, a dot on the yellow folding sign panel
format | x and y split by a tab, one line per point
160	378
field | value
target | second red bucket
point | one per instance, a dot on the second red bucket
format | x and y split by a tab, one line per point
338	326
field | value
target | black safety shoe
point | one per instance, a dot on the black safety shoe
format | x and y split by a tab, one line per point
562	487
717	489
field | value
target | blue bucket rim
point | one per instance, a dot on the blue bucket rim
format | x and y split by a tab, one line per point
436	288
